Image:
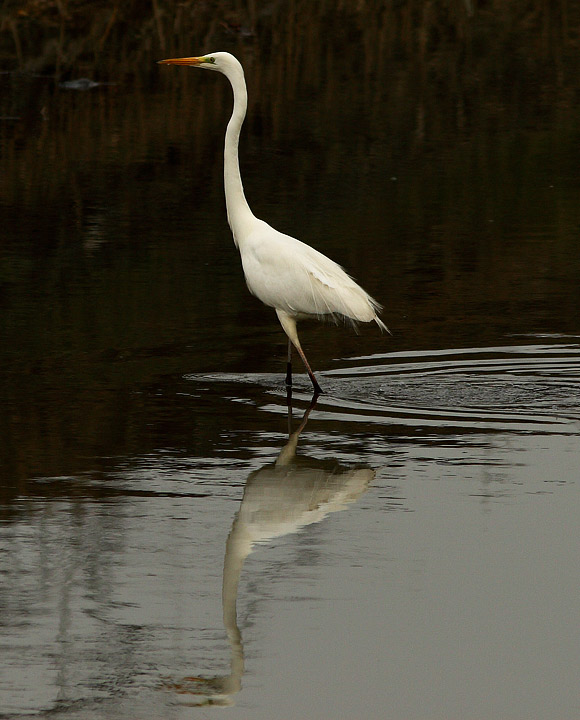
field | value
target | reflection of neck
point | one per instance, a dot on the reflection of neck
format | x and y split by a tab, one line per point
238	547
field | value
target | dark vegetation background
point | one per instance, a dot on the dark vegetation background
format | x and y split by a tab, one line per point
430	147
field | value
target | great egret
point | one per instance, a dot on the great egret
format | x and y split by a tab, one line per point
284	273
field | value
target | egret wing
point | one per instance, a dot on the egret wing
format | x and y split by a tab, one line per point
287	274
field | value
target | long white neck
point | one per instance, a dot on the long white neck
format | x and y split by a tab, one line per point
240	216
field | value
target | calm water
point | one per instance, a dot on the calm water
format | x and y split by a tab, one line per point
173	539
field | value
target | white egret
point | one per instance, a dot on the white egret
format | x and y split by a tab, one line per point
284	273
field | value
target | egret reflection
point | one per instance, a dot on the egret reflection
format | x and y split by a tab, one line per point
279	499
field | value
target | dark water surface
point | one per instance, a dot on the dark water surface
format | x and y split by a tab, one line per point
410	550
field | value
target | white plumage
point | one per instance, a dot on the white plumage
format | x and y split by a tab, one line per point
281	271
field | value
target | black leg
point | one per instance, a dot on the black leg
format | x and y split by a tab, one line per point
289	366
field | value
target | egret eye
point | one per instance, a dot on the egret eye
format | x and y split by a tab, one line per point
211	60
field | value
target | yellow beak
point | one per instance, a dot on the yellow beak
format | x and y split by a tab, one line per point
183	61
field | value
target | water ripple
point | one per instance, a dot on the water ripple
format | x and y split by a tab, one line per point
531	388
525	388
